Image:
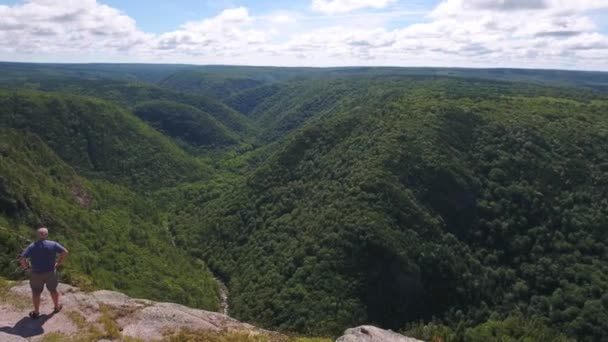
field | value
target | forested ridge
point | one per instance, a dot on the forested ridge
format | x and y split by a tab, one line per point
464	204
117	237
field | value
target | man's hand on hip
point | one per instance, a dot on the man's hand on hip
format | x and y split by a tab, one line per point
24	264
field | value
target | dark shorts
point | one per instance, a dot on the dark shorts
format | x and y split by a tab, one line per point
38	280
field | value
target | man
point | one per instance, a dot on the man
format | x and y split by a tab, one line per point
42	255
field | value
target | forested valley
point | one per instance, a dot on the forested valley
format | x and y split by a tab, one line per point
462	204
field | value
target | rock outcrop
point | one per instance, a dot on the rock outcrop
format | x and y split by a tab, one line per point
110	315
113	316
367	333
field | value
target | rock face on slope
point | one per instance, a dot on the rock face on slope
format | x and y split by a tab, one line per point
113	316
108	315
367	333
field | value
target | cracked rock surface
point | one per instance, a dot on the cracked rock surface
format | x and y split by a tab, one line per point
368	333
139	318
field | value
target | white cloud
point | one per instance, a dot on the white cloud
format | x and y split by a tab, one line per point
484	33
229	33
459	7
40	26
343	6
282	19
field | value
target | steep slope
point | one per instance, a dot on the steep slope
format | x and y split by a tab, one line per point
247	101
297	103
437	198
281	108
118	239
185	123
130	94
99	139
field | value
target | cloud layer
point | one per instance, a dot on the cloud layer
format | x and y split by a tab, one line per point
485	33
343	6
43	26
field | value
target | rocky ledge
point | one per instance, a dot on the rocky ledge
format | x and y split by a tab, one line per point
113	316
108	315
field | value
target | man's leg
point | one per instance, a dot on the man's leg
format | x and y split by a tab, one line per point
51	284
36	301
55	297
37	285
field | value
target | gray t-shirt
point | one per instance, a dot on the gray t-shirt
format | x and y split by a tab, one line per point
43	255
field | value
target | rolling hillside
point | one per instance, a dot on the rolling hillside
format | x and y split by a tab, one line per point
130	94
412	205
116	237
99	139
451	203
186	123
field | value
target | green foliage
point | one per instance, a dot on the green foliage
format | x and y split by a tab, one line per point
515	328
246	101
117	238
211	84
369	195
99	139
186	123
132	93
4	287
23	72
414	203
223	336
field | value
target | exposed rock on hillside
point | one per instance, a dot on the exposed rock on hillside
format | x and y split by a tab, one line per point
111	315
368	333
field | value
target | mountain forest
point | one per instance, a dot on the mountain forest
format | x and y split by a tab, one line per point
460	204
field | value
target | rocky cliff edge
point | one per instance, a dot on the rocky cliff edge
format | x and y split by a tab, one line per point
112	316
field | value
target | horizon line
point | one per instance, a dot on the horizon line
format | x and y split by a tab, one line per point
304	67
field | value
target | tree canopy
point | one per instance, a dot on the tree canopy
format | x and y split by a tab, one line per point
465	204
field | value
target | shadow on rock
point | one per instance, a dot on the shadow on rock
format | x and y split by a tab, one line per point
28	327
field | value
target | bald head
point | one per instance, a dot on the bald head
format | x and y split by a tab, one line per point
43	233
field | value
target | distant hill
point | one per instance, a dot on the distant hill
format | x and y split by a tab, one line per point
131	94
186	123
281	108
98	138
201	83
248	100
88	71
227	81
223	80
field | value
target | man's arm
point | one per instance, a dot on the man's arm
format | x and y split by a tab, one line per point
24	256
23	262
63	253
61	258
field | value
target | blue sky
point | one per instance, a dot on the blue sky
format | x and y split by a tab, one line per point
164	16
169	15
470	33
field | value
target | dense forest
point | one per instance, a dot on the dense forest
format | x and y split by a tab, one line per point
465	204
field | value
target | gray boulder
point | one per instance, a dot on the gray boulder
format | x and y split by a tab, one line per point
368	333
